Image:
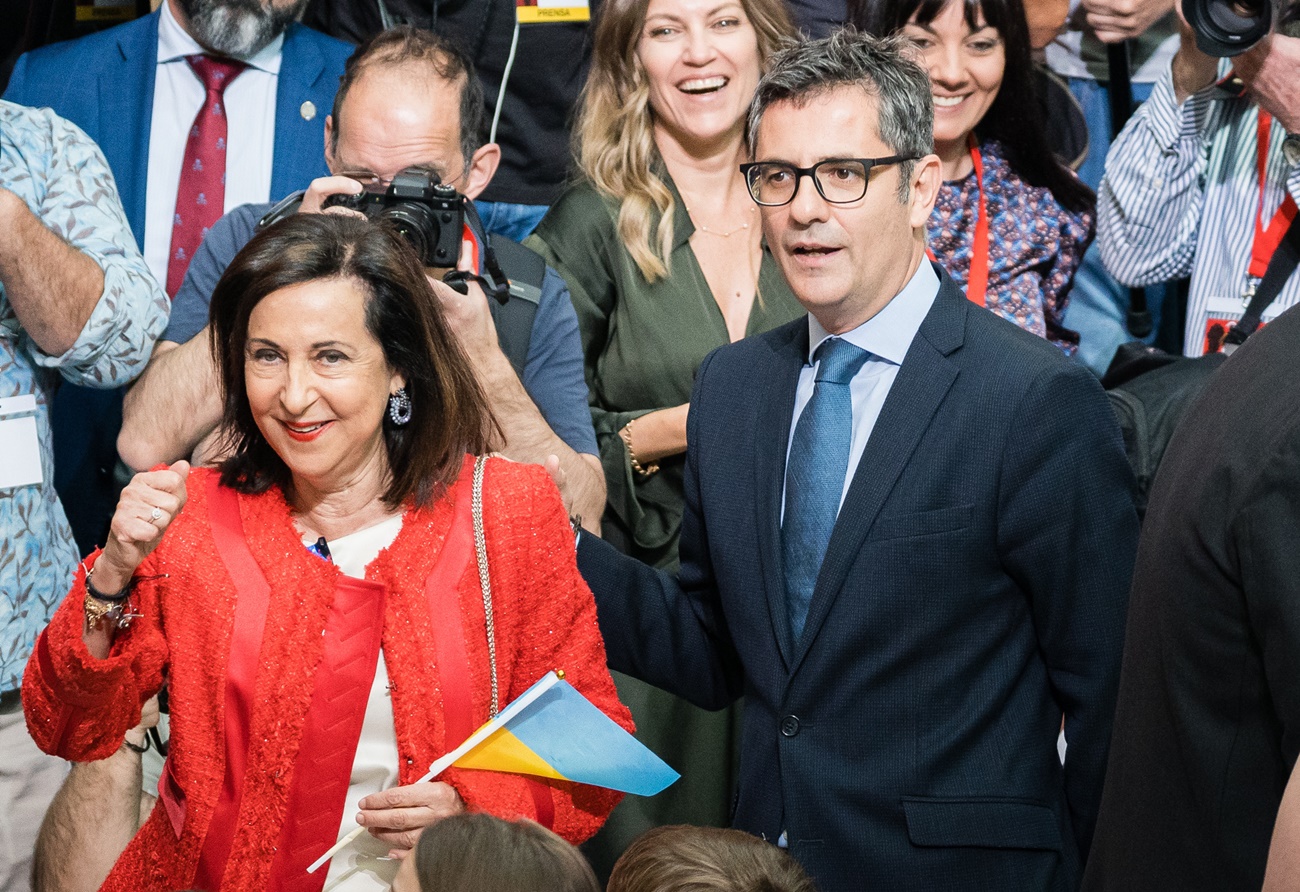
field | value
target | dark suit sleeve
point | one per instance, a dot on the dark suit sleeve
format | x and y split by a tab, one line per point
1266	535
669	632
1067	533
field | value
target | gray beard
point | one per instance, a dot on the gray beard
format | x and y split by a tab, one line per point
237	28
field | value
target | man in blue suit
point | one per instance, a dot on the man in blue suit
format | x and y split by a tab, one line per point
130	89
909	527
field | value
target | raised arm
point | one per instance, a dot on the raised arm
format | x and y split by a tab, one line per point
176	404
85	681
1150	201
529	438
173	407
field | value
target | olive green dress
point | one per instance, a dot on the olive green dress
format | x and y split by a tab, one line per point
642	343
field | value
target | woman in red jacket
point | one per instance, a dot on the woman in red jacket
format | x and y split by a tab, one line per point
316	607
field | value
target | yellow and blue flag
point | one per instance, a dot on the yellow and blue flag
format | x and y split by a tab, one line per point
551	730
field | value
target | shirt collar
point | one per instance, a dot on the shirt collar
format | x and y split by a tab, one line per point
889	333
175	43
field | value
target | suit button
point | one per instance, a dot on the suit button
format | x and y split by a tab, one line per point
790	726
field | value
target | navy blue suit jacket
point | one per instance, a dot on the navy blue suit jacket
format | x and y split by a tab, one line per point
972	593
103	83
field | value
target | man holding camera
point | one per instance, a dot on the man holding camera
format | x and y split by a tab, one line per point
1205	178
408	106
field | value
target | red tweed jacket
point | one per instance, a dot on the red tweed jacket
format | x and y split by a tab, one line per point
78	707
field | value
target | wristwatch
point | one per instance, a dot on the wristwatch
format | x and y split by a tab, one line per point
1291	148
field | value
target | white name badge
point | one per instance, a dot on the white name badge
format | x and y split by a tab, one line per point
533	12
1218	317
20	446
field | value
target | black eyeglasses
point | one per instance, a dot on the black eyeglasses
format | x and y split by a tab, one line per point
838	180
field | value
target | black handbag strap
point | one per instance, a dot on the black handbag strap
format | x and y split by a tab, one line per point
1280	267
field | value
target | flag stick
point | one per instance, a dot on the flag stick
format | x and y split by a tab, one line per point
444	762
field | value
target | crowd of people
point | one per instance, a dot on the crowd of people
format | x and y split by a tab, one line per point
740	358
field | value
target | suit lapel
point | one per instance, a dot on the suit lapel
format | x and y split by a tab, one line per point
772	435
126	116
922	382
296	137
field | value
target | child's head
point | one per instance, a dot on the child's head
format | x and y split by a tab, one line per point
480	853
705	859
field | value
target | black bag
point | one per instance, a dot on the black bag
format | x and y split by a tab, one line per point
1150	390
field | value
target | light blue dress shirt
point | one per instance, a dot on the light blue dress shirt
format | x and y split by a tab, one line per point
62	176
887	337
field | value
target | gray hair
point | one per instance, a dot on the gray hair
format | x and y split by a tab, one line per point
884	67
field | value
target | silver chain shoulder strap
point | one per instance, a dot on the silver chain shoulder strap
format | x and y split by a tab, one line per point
484	578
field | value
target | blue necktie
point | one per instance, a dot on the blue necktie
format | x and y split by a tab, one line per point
814	476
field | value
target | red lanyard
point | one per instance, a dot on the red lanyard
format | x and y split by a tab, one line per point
1267	238
977	283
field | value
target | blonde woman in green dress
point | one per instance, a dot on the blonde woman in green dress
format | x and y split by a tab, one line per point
661	246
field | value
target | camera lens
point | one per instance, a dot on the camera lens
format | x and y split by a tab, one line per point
1228	27
418	224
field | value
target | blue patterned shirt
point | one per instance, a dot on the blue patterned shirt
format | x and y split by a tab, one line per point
63	177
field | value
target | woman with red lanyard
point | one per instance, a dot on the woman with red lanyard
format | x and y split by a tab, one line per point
1011	222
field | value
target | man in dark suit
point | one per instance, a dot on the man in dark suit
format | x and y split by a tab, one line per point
908	533
132	99
1209	703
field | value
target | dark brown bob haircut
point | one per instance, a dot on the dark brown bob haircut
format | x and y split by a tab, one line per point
680	858
449	414
475	852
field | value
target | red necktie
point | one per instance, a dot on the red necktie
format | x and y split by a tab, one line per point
201	194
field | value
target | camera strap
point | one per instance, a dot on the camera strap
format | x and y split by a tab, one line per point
494	281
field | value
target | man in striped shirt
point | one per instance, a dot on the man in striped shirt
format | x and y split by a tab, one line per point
1199	180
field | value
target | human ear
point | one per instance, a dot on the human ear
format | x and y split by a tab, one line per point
329	143
482	167
927	176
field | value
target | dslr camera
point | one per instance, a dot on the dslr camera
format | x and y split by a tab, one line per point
1230	27
429	214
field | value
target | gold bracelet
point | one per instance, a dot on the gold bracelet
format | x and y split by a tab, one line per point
647	471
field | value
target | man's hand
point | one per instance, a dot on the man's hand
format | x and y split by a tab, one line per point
149	716
1114	21
468	314
1193	70
397	815
1270	69
322	188
528	438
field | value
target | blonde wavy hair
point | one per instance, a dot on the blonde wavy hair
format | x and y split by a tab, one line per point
614	136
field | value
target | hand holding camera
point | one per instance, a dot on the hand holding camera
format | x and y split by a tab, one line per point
428	213
1225	28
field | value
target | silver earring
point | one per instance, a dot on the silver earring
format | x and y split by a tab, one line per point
399	407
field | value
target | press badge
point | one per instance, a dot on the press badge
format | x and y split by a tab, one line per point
532	12
1220	314
20	446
